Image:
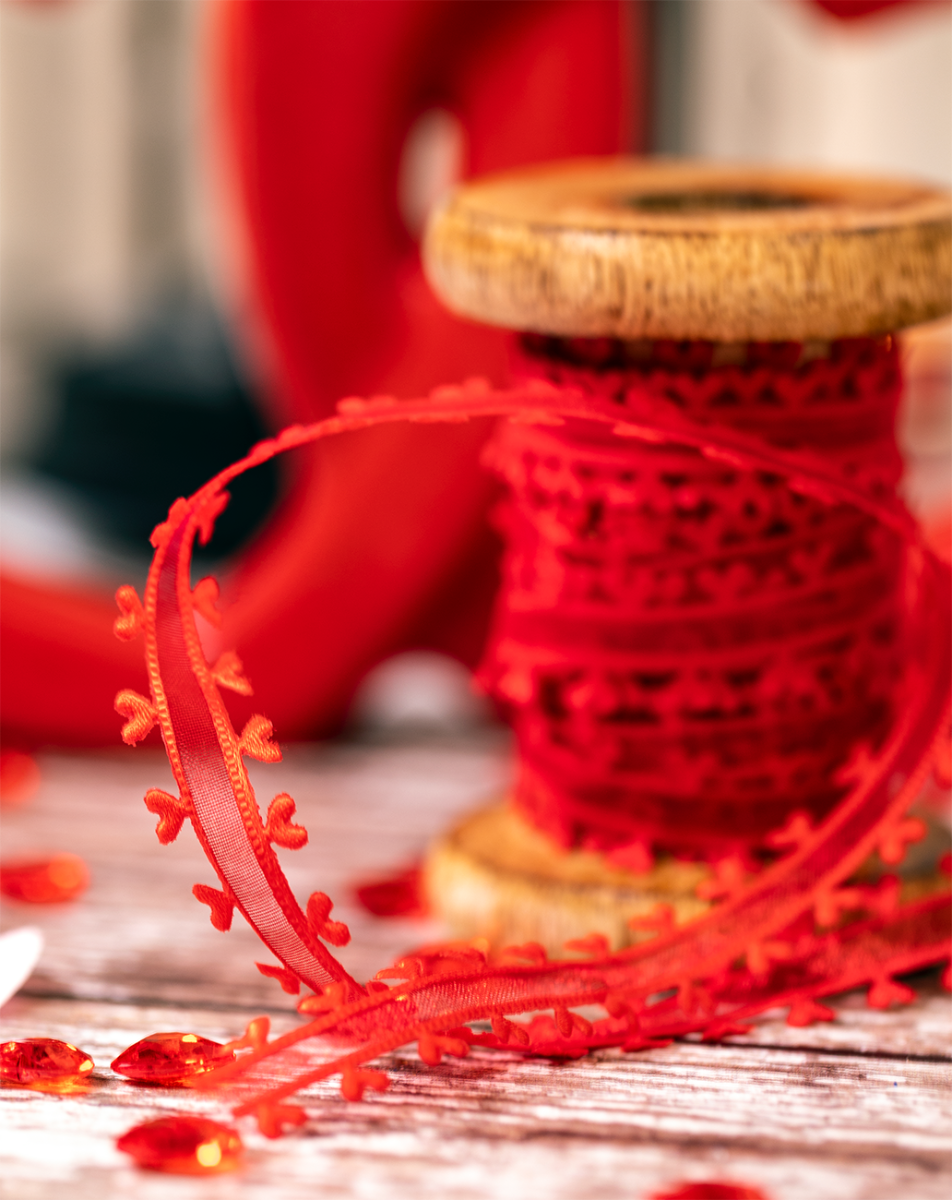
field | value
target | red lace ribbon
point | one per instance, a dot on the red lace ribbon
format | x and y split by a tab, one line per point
691	651
788	928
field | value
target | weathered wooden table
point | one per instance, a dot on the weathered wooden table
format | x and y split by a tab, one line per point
856	1110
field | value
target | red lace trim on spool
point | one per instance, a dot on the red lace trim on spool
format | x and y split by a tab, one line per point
785	932
690	651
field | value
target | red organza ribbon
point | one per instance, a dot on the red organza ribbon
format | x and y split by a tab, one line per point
786	933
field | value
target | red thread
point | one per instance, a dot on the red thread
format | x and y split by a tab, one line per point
759	946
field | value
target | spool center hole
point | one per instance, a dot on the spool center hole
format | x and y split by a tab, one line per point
715	201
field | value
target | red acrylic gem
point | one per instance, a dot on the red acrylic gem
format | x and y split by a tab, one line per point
398	895
44	1064
19	776
170	1058
710	1190
183	1146
44	880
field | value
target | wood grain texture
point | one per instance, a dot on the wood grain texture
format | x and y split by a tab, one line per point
651	249
859	1109
493	875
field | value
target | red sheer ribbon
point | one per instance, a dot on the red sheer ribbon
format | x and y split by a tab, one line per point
787	501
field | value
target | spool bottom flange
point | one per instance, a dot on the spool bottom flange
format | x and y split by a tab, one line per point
493	875
496	877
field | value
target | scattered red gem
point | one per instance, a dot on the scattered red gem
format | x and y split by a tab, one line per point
19	776
399	895
45	880
44	1064
710	1191
183	1146
170	1058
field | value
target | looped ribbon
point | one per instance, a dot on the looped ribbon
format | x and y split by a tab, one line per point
759	947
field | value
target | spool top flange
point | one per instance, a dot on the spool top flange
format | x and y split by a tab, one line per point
633	249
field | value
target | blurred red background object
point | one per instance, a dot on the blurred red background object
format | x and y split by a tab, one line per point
709	1190
44	880
382	543
19	776
849	10
397	895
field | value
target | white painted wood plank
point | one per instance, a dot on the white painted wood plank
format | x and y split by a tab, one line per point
849	1125
854	1110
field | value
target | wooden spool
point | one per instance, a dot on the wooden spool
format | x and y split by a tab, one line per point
637	250
628	249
